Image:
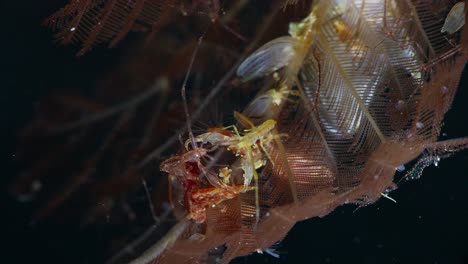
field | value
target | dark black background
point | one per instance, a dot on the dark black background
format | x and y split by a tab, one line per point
427	225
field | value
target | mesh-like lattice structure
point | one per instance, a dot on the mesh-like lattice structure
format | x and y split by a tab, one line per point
365	90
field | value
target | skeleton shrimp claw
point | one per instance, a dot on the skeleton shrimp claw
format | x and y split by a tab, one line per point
177	166
216	137
199	193
250	147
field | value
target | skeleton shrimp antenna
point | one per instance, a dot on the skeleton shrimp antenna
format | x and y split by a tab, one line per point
183	89
169	239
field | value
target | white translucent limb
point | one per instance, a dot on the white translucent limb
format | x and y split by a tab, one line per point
257	191
388	197
167	241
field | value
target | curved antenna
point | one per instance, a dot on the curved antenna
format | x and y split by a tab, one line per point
183	91
169	239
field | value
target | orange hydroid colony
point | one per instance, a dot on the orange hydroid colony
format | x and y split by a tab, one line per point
345	96
358	89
